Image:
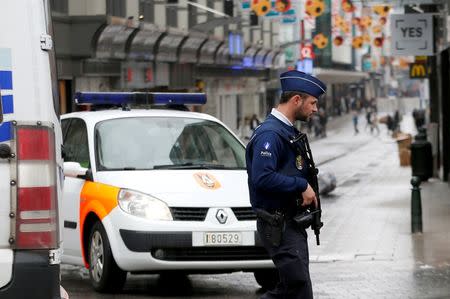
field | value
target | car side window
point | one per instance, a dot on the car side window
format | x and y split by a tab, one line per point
65	123
76	143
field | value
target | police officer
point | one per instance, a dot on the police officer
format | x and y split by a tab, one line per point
278	186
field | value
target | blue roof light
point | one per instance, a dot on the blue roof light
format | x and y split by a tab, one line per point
141	98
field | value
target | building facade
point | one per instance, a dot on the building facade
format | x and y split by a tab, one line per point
147	45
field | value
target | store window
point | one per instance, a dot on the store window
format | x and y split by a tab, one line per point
147	10
172	15
116	8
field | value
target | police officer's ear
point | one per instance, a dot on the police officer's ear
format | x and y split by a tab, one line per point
298	99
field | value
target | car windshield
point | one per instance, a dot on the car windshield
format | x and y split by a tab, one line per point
166	143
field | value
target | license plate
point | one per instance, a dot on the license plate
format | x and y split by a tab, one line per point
221	239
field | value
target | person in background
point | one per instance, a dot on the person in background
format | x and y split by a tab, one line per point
254	122
323	118
355	121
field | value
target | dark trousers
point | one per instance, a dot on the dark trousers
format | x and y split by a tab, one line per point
291	258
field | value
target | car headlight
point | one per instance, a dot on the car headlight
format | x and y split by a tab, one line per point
143	205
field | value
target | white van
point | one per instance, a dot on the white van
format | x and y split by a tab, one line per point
30	153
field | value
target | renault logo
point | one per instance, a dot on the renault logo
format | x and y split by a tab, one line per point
221	216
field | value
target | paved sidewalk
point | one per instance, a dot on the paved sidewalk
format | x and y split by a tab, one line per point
367	248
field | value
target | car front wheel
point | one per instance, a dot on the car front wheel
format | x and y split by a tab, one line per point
104	273
267	278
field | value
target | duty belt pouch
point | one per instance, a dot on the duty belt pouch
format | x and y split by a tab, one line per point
273	226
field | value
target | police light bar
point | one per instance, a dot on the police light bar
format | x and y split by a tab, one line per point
140	98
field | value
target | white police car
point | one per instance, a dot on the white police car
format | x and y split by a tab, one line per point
155	190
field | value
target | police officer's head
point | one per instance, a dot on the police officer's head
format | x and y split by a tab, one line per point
300	93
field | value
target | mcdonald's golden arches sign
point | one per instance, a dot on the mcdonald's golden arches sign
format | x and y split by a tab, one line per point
418	70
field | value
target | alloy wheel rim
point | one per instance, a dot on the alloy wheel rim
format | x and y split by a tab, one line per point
96	256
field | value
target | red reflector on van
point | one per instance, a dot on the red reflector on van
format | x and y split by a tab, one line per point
36	198
35	143
36	240
36	224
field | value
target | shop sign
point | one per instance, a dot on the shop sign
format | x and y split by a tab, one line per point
412	34
418	71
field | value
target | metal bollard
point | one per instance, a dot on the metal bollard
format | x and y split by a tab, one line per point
416	206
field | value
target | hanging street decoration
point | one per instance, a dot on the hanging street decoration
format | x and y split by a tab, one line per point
315	8
381	10
261	7
338	40
377	29
280	9
282	5
382	21
320	41
365	22
357	42
378	42
347	6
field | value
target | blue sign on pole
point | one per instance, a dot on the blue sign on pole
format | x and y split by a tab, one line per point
305	65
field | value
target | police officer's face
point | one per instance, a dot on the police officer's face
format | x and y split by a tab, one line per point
305	107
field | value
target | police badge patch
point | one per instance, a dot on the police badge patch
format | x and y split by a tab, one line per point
266	153
299	162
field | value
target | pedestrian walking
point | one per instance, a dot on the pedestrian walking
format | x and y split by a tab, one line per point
355	121
368	118
374	129
254	122
323	118
278	184
315	119
245	131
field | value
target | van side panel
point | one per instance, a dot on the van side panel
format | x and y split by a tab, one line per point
27	95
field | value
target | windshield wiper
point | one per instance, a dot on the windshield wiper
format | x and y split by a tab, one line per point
190	165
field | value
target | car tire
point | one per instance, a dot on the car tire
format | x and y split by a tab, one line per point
267	278
104	274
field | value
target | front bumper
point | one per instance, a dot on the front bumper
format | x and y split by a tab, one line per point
142	246
177	246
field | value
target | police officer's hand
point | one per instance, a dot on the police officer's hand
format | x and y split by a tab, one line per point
309	197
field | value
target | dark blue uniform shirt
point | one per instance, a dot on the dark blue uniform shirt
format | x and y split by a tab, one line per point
276	172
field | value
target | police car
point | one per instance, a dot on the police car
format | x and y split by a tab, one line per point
155	190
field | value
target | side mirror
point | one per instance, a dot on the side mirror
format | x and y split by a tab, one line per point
74	170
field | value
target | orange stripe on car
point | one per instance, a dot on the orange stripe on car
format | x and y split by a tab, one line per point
99	199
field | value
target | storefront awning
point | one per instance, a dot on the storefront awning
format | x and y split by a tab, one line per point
222	55
208	51
332	76
113	39
249	56
143	44
236	59
259	57
269	59
168	47
189	52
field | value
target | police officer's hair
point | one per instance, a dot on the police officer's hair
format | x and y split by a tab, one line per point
287	95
